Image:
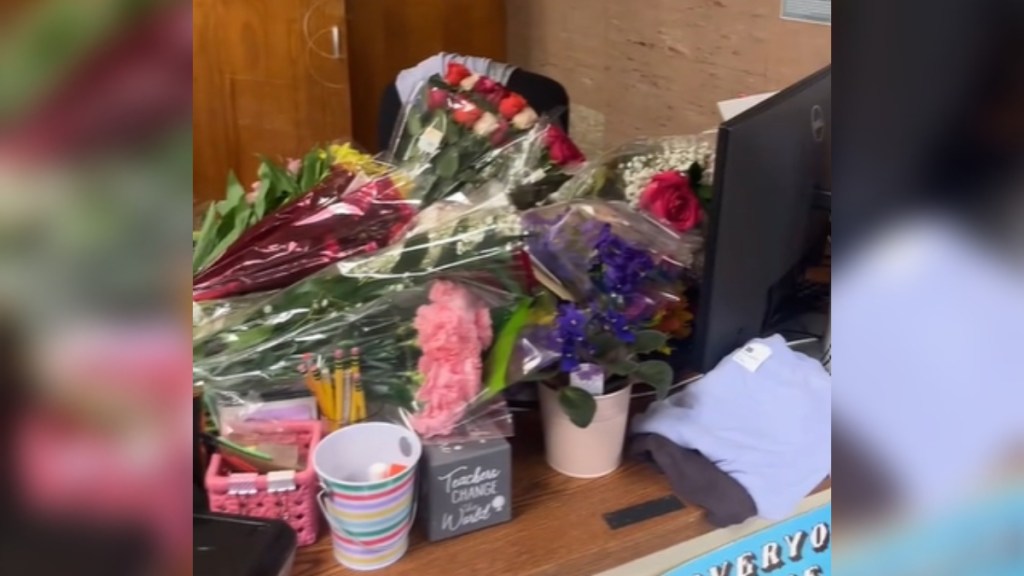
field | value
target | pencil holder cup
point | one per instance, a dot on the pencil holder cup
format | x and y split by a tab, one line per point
286	495
370	519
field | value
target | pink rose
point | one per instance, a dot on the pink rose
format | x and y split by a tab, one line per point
561	149
670	198
436	99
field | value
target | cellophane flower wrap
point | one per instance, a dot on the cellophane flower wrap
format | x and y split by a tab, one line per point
453	126
373	304
668	178
614	265
346	215
278	184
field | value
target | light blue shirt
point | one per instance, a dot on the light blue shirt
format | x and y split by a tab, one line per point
409	79
770	429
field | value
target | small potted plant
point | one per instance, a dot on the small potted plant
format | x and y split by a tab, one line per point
615	290
585	407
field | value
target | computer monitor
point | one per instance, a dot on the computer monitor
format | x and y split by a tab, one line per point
771	168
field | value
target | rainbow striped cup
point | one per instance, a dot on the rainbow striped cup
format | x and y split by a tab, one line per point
370	519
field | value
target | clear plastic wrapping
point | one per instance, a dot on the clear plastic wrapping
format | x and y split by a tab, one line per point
347	215
371	304
668	178
459	124
562	239
278	184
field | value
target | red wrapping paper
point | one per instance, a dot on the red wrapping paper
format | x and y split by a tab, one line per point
323	227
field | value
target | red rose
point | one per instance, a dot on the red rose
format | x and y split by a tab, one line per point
456	73
511	105
669	198
561	149
436	99
499	134
467	114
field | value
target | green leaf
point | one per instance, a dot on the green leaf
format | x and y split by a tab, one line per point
252	337
414	125
624	368
235	193
260	206
448	163
504	345
648	341
205	242
310	172
604	344
541	376
657	374
695	173
412	255
578	405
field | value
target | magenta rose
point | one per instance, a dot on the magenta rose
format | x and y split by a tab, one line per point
670	198
490	90
561	149
436	99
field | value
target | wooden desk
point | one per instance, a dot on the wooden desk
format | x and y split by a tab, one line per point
557	527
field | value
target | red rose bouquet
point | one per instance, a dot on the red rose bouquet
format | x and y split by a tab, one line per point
453	128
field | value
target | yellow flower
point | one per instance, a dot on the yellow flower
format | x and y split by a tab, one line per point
347	157
676	319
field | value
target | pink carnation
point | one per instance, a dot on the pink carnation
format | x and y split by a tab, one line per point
454	330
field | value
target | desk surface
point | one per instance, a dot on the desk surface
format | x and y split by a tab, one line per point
557	526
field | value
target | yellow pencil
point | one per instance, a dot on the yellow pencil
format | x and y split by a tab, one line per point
358	408
325	388
339	387
312	384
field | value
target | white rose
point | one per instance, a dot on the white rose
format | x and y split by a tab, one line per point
486	125
468	82
525	119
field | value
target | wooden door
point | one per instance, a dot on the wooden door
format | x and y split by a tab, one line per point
387	36
270	77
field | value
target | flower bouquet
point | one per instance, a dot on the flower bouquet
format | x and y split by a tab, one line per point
276	186
668	178
460	123
346	215
370	303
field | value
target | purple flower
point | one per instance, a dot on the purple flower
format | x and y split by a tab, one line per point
570	335
616	323
617	267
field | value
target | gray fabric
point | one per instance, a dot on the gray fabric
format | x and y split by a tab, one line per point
409	79
696	480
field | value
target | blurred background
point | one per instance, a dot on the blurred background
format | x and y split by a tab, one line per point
95	174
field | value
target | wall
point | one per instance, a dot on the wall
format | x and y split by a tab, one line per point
655	67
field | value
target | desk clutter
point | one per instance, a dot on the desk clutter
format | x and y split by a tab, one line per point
358	320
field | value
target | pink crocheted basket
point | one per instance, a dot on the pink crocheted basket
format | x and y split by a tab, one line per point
288	496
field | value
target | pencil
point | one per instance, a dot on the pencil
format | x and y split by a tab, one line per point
358	411
314	387
339	386
325	389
